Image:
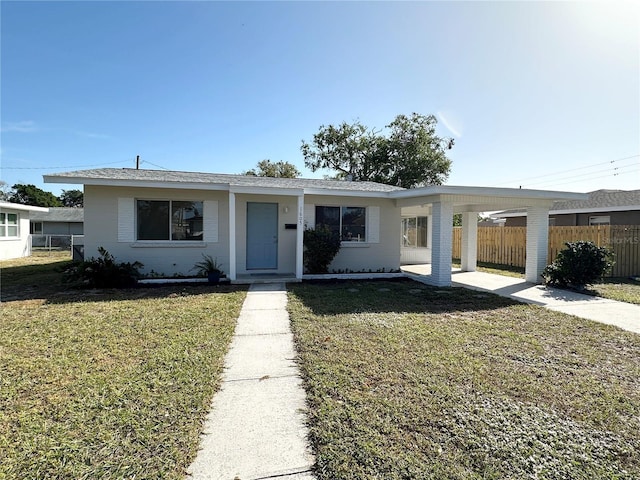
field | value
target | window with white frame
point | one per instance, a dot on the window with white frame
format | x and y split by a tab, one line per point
348	222
9	223
600	220
414	232
169	220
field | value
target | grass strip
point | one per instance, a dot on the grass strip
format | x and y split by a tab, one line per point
410	381
112	384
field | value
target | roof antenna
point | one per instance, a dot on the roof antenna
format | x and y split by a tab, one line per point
137	162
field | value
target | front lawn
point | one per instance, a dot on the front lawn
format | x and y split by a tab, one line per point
410	381
620	289
108	384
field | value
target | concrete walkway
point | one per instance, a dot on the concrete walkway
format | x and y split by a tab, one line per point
620	314
256	427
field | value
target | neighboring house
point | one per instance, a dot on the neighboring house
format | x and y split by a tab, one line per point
14	229
254	225
602	207
58	221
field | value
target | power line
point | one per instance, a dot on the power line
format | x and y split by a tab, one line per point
620	167
592	178
568	171
147	161
68	166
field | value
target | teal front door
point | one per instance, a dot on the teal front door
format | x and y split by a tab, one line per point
262	235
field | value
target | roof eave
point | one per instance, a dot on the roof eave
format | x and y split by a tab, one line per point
484	191
135	183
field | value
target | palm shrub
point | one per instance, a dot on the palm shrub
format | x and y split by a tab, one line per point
581	263
104	272
321	245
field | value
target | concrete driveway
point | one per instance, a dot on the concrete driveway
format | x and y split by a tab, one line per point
620	314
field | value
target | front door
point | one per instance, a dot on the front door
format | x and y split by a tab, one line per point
262	235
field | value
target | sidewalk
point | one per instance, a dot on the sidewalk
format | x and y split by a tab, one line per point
256	427
612	312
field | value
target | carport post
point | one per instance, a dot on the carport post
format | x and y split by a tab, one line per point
469	251
537	243
441	243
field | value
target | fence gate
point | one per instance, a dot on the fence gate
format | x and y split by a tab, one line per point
77	248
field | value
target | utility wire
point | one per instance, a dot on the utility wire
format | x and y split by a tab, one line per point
69	166
592	178
568	171
620	167
147	161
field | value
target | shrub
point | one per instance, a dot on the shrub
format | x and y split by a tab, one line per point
580	264
321	245
104	272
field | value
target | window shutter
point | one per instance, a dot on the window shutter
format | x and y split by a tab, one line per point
309	216
210	221
126	220
373	224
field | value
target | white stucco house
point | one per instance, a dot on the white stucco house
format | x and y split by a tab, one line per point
14	229
254	225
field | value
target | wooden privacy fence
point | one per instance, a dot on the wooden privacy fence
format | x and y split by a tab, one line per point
507	245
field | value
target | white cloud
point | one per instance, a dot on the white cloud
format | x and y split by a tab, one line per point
24	126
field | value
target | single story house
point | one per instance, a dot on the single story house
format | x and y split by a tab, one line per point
14	229
601	207
254	225
58	221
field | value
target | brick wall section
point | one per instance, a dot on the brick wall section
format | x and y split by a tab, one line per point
442	241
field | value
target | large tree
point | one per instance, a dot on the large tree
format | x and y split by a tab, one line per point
5	191
408	154
72	198
267	168
32	195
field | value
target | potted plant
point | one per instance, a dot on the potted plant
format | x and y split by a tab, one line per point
210	268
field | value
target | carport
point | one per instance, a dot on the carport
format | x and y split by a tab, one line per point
442	202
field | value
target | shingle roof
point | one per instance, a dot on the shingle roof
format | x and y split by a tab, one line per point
59	214
598	199
128	174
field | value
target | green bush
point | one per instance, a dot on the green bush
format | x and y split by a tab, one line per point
104	272
321	245
580	264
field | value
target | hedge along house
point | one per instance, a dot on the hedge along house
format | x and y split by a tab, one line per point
255	225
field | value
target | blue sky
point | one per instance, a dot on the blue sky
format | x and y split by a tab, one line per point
539	94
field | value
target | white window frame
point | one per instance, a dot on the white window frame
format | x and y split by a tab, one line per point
170	220
5	225
599	220
341	207
416	217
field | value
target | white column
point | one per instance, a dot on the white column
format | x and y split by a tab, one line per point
300	237
441	243
537	243
469	250
232	236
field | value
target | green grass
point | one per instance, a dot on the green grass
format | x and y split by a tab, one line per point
506	270
108	384
620	289
409	381
33	277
